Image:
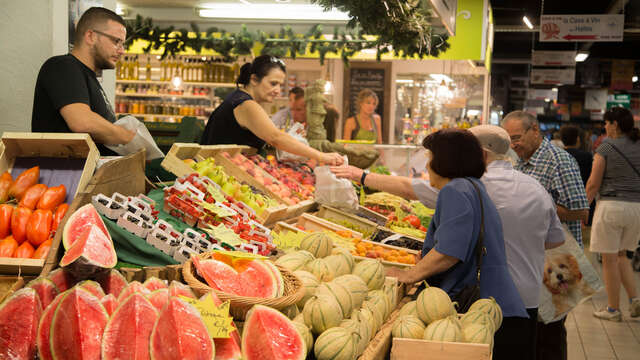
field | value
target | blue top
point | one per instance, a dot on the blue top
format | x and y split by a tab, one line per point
454	231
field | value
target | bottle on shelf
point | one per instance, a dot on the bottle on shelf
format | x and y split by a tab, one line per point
136	69
148	68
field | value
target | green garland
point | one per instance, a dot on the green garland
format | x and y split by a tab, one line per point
286	42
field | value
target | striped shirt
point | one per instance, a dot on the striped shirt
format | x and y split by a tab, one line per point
558	172
620	182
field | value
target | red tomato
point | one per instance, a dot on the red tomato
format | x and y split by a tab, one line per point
19	220
413	220
57	217
8	246
32	196
422	228
39	226
24	181
25	250
43	250
5	220
53	197
5	183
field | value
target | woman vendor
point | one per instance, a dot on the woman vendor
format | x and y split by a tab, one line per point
241	120
365	125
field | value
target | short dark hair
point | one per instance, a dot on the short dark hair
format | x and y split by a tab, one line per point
569	135
455	153
298	92
260	67
624	118
92	18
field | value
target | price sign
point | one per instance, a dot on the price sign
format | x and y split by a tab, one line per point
216	318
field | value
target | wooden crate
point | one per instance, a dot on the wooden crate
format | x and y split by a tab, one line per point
315	223
412	349
78	158
330	214
10	284
381	219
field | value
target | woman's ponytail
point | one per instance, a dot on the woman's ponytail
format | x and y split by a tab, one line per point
245	75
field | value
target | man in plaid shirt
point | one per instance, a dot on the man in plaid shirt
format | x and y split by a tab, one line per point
559	174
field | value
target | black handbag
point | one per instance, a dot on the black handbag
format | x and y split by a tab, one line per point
470	293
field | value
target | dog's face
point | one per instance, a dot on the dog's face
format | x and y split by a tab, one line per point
561	272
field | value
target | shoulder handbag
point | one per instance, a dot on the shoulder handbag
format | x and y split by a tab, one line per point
625	158
470	293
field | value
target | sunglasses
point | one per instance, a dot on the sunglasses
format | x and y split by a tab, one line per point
117	42
275	60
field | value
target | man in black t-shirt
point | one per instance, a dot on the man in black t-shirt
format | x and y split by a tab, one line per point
570	136
68	96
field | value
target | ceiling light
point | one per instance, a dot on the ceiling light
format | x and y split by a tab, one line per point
246	2
527	22
283	1
582	56
634	78
120	10
404	81
554	89
272	12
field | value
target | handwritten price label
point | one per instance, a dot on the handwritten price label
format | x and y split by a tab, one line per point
215	318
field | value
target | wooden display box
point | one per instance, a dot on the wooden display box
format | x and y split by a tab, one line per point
332	214
315	223
412	349
68	159
8	285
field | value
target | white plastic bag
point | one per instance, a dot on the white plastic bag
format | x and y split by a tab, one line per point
142	140
297	132
334	192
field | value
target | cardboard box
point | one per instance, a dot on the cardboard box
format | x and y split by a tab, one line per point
412	349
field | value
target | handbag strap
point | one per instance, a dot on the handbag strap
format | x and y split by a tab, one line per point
480	250
625	157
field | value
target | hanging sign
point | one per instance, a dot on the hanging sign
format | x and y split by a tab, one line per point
562	28
553	58
553	76
622	72
542	94
622	100
446	9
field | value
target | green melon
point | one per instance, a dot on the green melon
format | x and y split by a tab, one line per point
339	264
295	260
477	317
310	283
447	329
319	244
408	309
304	331
320	269
335	344
434	304
362	329
381	300
390	288
346	254
366	317
357	287
408	326
291	311
377	311
478	333
340	293
491	307
321	313
371	272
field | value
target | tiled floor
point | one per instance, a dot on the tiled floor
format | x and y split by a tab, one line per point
590	338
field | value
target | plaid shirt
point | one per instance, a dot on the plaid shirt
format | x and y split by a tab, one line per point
559	174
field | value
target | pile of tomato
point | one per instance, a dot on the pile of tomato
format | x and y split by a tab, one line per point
29	214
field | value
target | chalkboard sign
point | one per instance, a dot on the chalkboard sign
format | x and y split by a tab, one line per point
369	75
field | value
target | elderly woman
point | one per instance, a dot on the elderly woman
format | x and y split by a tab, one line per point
615	176
449	251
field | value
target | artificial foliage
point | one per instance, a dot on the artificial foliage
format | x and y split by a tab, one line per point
281	44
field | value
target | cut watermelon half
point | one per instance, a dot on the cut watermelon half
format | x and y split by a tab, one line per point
153	284
179	333
110	303
269	335
62	278
44	328
46	289
257	279
93	287
227	348
113	282
129	329
180	289
19	316
91	254
79	222
277	276
159	298
133	287
77	326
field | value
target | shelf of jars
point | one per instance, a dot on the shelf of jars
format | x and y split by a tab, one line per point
204	97
160	82
162	117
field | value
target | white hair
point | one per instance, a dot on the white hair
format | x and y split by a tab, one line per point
527	119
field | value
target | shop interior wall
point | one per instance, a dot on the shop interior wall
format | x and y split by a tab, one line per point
30	32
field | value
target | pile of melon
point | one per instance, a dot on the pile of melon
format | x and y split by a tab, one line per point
345	303
433	317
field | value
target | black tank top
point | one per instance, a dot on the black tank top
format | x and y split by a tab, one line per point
223	128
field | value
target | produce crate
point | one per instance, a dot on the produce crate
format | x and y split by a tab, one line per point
335	216
165	134
315	223
8	285
68	159
411	349
370	215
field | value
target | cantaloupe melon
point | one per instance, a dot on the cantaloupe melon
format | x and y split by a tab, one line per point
372	272
408	309
408	326
357	287
321	313
478	333
491	307
434	304
310	283
336	344
447	329
319	244
320	269
477	317
347	256
340	293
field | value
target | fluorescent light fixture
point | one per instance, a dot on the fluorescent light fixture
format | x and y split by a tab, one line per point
527	22
473	112
441	77
271	12
246	2
554	89
634	78
581	56
404	81
120	10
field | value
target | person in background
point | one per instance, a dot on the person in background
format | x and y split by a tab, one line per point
295	112
240	119
601	135
555	139
366	124
570	136
615	177
68	96
559	174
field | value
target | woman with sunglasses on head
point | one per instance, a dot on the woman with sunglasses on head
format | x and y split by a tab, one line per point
241	120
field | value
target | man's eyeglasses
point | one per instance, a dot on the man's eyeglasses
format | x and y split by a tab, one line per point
117	42
517	138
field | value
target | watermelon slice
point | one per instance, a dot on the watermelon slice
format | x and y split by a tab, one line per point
153	284
179	333
277	276
159	298
44	328
93	287
133	287
81	220
91	254
62	278
227	349
110	303
77	326
129	329
269	335
257	279
180	289
19	316
113	282
46	289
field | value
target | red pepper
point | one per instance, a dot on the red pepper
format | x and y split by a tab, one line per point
53	197
5	183
32	196
19	220
25	250
39	226
5	220
43	250
24	181
8	246
61	210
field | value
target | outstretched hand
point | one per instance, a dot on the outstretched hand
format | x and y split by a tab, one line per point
348	172
332	159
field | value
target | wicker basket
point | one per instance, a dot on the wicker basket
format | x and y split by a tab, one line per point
240	305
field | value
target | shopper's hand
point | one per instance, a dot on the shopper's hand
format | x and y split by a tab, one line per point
331	159
395	272
347	172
